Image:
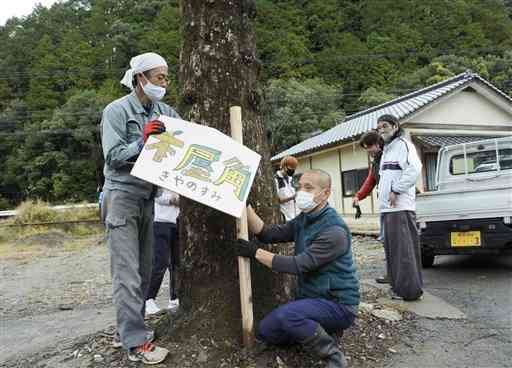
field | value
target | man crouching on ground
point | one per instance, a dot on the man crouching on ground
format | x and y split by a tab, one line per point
328	288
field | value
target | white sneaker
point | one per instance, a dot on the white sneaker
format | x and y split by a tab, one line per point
148	354
174	305
151	307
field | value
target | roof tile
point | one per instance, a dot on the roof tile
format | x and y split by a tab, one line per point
366	120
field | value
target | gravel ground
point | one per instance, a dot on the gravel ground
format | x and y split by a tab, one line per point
70	294
56	312
58	280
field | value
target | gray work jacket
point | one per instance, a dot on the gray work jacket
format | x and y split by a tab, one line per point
122	124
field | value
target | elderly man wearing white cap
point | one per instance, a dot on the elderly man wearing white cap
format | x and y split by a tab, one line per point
127	208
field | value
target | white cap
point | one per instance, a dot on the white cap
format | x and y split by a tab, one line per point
142	63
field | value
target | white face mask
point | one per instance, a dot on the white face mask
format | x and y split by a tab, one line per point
154	93
305	201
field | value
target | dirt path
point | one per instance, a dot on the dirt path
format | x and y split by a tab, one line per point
43	283
54	297
53	306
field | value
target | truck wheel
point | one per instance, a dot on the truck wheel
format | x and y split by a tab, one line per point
427	259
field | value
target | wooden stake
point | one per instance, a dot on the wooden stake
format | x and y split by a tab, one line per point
244	264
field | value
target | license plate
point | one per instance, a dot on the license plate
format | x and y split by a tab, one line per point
466	239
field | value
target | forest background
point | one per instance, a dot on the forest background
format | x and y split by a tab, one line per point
321	61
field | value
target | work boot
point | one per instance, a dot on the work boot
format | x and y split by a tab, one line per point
326	348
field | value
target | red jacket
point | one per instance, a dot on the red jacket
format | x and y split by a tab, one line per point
368	185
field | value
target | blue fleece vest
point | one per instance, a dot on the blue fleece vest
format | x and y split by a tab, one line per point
336	280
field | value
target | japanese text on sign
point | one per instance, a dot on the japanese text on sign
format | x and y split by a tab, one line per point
200	163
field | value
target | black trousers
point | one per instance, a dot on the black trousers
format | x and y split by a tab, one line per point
403	254
165	257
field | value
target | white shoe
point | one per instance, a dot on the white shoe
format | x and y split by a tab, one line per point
174	305
148	354
151	307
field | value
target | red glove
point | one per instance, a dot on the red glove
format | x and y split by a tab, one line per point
153	127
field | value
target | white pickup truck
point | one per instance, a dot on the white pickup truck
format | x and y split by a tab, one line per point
471	210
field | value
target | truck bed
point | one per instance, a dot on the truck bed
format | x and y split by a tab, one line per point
445	205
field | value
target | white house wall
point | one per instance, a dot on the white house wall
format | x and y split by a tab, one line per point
352	157
303	165
464	108
329	162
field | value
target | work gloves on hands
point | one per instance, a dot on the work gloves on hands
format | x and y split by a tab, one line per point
244	248
153	127
358	211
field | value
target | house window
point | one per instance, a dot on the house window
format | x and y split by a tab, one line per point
352	181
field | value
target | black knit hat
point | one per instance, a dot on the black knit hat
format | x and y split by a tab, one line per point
390	119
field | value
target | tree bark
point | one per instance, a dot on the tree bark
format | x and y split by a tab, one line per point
219	69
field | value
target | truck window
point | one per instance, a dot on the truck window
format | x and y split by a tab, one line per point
482	161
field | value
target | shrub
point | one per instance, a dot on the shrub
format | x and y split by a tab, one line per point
34	212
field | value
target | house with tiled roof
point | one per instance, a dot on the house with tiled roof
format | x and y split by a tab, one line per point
464	108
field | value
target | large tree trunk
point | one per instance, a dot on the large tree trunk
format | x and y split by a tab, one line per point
218	69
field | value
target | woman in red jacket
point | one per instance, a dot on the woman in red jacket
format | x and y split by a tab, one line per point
372	142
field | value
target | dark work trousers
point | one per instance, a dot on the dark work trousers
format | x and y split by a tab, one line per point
403	254
381	238
129	230
165	257
296	321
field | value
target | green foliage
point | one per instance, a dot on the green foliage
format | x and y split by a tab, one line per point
373	97
4	203
497	69
282	41
61	158
294	110
60	66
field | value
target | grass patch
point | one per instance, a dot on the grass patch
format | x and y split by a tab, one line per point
31	212
85	230
47	242
78	214
34	212
21	242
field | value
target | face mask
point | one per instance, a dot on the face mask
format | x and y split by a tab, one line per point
305	201
290	172
154	93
